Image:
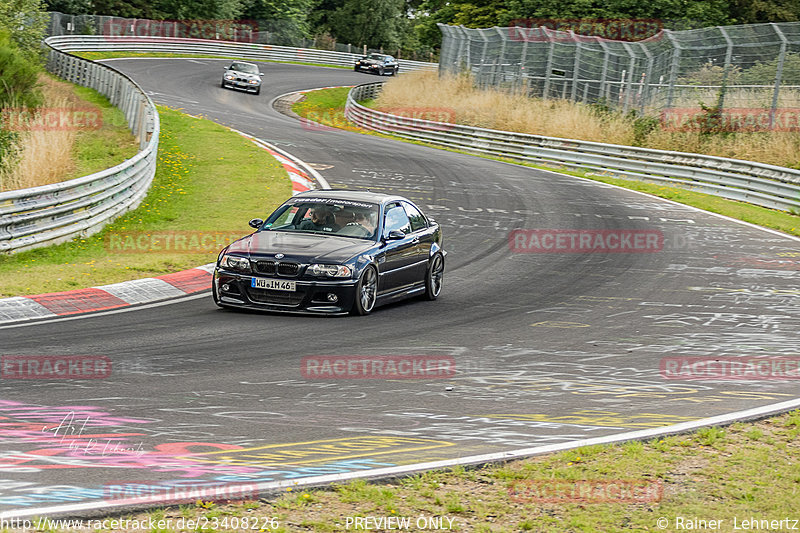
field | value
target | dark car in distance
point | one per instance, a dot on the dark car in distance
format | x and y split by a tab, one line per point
379	64
333	252
242	75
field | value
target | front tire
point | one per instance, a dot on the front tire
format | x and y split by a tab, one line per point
258	91
434	277
366	292
380	71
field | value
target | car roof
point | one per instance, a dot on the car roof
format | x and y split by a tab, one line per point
361	196
236	61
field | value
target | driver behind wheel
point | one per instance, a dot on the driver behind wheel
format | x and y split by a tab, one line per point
321	219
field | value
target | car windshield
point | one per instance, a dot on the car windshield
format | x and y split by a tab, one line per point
343	218
244	67
376	56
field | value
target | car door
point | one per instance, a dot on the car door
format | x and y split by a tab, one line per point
423	238
398	258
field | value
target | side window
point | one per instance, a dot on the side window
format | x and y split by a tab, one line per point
396	219
417	219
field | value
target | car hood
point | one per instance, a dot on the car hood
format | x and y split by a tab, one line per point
301	247
371	61
241	74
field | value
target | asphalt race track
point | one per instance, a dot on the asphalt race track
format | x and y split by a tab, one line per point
548	348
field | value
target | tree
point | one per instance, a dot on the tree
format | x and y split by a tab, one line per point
286	20
375	23
755	11
70	7
24	22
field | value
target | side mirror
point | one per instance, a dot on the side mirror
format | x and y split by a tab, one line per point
260	73
256	223
396	235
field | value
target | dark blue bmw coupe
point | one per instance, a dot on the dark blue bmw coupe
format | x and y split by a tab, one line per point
333	252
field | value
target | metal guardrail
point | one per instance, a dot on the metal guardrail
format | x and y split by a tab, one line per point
266	52
757	183
49	214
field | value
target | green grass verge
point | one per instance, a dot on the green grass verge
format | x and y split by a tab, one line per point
95	56
209	182
107	146
327	107
745	471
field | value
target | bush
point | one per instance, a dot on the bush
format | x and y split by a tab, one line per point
18	87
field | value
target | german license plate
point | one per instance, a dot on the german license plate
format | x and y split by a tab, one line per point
273	284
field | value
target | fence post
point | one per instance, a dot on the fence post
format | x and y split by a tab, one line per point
726	69
484	51
549	66
604	72
673	71
500	61
778	74
523	58
465	42
575	66
644	88
631	67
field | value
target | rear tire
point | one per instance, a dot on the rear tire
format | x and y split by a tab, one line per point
434	277
366	292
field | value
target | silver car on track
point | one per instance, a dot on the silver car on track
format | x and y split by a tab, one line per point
244	76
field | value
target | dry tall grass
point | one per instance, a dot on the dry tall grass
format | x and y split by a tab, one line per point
44	156
497	109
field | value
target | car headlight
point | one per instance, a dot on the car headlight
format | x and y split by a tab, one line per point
331	271
253	82
229	76
234	262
